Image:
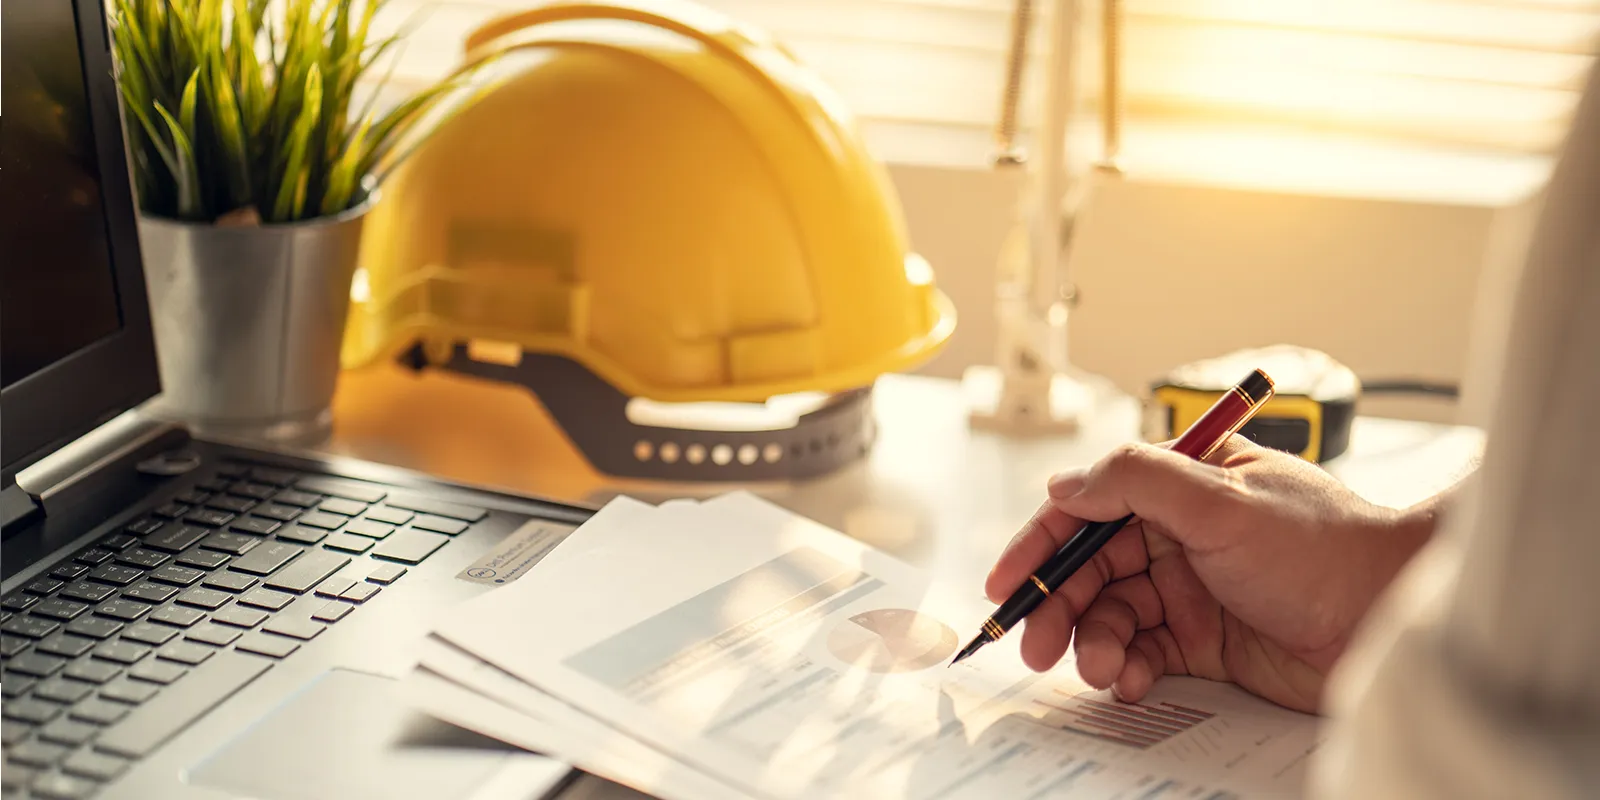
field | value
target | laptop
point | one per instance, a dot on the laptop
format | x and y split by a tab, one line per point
181	618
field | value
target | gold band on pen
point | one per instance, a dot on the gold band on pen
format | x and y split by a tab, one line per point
993	629
1246	395
1040	584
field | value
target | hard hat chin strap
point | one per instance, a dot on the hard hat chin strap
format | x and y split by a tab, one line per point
594	415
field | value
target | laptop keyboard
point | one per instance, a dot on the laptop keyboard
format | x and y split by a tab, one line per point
120	646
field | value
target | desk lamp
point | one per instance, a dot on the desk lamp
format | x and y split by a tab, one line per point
1031	388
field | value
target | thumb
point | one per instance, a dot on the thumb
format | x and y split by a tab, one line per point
1171	490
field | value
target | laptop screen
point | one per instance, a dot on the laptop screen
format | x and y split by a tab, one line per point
60	291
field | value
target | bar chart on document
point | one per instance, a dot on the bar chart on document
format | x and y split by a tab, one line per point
823	679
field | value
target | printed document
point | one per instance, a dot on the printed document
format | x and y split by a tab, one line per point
783	659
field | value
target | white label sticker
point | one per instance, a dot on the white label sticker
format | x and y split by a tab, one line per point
516	554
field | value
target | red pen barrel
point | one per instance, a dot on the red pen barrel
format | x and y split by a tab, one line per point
1225	416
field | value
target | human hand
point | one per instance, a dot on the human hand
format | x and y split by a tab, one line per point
1253	568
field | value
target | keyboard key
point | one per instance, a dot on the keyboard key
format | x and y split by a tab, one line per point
332	612
154	593
93	557
410	546
212	634
175	538
423	505
359	593
30	710
208	599
295	533
209	517
350	490
61	690
103	712
116	574
348	508
203	559
214	484
367	527
266	598
276	477
231	504
260	526
43	586
140	557
236	544
149	633
13	731
307	572
125	610
192	498
118	542
121	652
297	498
66	645
171	510
176	575
230	581
37	754
391	516
69	572
158	671
95	766
129	691
31	627
144	527
296	627
231	471
186	653
12	645
94	627
56	608
267	558
56	786
38	665
86	592
16	777
439	524
180	704
318	519
276	511
332	587
177	617
239	616
19	602
268	645
68	731
92	671
254	491
348	543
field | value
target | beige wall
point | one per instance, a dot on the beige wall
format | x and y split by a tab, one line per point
1171	273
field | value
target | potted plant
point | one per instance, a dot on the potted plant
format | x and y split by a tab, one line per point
254	169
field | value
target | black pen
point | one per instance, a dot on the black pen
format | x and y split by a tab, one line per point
1208	433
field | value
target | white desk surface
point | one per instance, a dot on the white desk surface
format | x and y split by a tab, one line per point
933	491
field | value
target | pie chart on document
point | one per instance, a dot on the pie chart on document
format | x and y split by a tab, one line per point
892	640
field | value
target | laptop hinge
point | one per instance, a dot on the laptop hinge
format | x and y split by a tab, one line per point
17	508
128	435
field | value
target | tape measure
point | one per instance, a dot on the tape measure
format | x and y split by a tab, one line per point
1310	415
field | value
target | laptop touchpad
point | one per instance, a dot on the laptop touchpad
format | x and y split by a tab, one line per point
349	735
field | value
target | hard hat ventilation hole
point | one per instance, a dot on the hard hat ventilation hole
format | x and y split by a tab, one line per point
772	452
721	454
748	454
669	452
696	453
642	450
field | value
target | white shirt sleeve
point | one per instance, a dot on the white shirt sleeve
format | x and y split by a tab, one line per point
1478	674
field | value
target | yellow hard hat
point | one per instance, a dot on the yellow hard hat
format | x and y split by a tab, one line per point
667	198
658	194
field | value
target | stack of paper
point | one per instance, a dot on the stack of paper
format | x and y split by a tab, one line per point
730	649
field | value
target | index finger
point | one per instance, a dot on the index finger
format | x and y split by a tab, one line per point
1041	537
